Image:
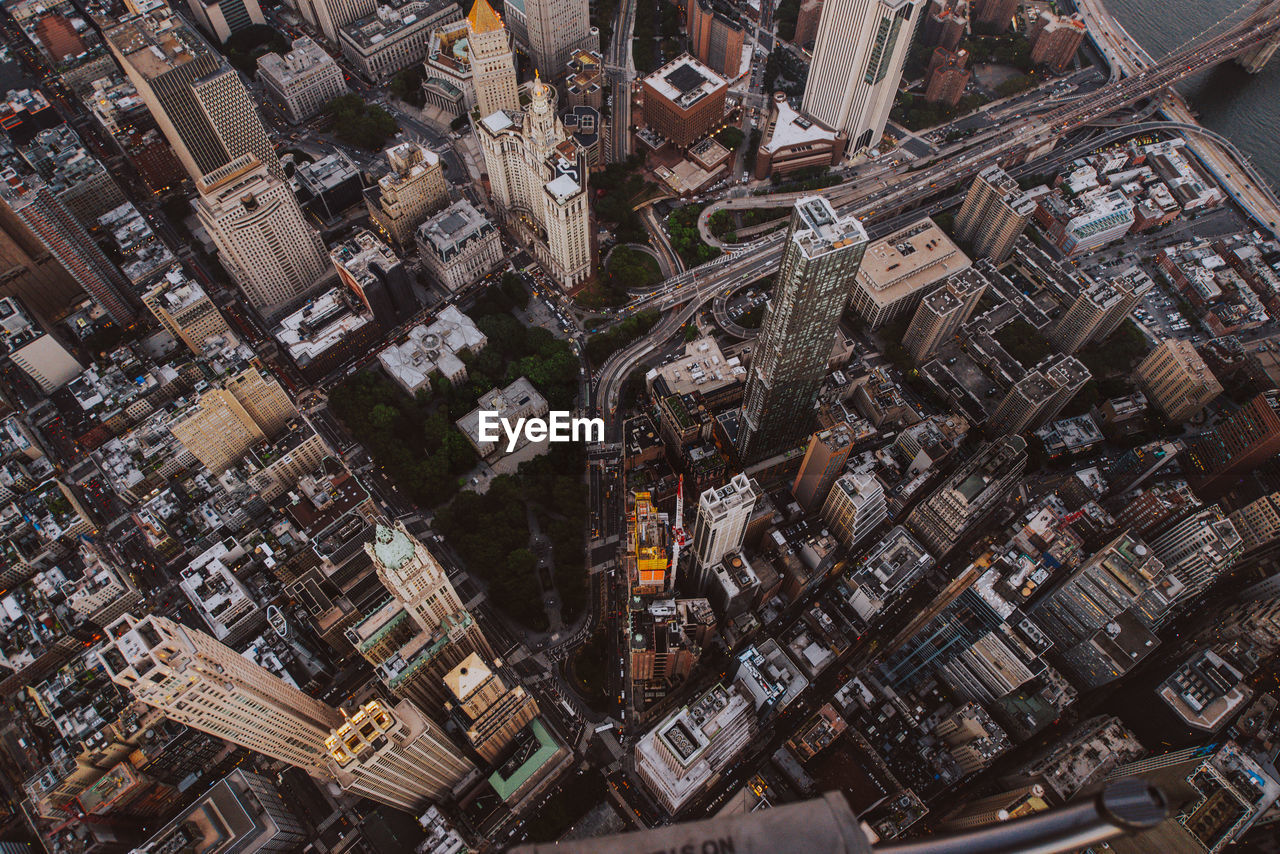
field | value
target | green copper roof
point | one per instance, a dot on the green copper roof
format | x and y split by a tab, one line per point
391	547
547	747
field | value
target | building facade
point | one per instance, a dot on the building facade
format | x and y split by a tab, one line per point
941	314
994	215
302	81
968	495
492	61
855	508
408	194
459	245
1176	379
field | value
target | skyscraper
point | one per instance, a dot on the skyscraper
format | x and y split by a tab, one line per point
551	29
1038	396
994	214
721	524
1097	312
857	62
408	194
493	66
969	494
32	202
330	16
855	508
217	430
492	713
375	274
197	100
1241	441
821	255
32	272
824	459
262	238
1176	379
1196	550
221	18
941	314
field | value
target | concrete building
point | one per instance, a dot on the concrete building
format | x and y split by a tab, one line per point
1097	312
492	62
858	56
1196	551
243	812
714	38
459	245
807	22
824	460
76	178
220	18
185	310
302	81
1055	39
995	13
392	38
327	332
890	569
197	100
216	429
41	215
330	16
1258	522
941	314
584	81
1082	758
994	215
969	494
855	508
679	757
791	142
413	190
947	77
376	275
721	524
434	349
518	400
34	274
551	30
35	351
822	250
537	180
1098	217
972	737
492	713
1039	396
260	395
1204	691
684	100
263	240
1176	380
898	270
1240	442
329	186
447	82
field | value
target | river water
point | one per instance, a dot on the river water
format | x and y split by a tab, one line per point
1243	107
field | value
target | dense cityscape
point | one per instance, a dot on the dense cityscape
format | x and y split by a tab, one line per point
459	426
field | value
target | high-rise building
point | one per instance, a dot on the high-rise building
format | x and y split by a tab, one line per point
855	508
303	80
262	398
824	459
537	180
394	37
34	204
721	524
263	240
941	313
1176	379
715	38
32	272
78	179
1055	39
1101	617
220	18
969	494
822	251
492	713
413	190
1239	443
993	809
185	310
1256	621
251	816
900	268
996	14
972	737
1039	396
858	56
372	271
197	100
551	29
217	430
493	65
1196	550
945	23
947	77
41	356
807	22
330	16
1097	312
684	100
994	214
1258	522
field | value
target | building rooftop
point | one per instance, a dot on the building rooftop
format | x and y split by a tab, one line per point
450	229
822	230
361	251
915	257
388	21
428	349
791	128
304	58
319	325
685	81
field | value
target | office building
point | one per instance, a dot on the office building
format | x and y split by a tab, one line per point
447	76
33	273
1256	621
1039	396
824	459
858	56
220	18
1079	760
185	310
459	245
993	809
330	16
409	193
34	205
492	61
302	81
940	314
1216	794
1055	39
822	251
679	757
1239	443
855	508
75	177
714	38
24	113
260	395
1097	312
584	81
196	99
1205	691
898	270
328	186
536	169
1258	522
684	100
647	555
807	22
733	585
973	491
551	29
947	77
395	755
994	215
1196	550
791	142
263	240
890	569
1176	380
38	353
721	524
393	38
242	813
665	639
1100	617
372	271
973	739
491	713
217	430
